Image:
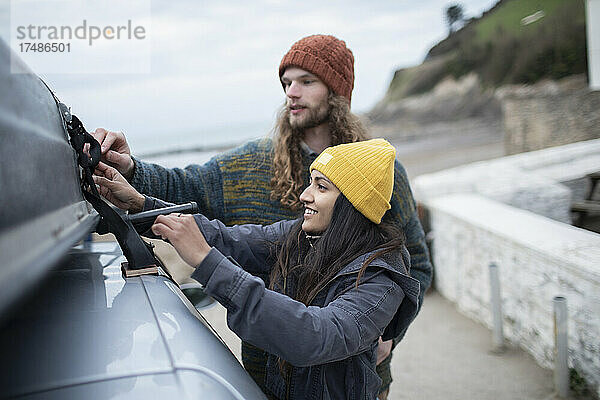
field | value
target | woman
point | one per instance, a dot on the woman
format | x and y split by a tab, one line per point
338	276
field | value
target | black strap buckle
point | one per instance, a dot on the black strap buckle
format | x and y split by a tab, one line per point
140	256
78	137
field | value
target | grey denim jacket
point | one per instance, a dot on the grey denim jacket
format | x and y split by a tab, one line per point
332	343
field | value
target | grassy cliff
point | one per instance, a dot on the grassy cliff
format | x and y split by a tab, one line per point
502	48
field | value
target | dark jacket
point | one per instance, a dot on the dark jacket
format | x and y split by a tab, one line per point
332	343
235	188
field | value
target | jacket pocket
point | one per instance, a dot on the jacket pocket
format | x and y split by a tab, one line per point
371	382
352	378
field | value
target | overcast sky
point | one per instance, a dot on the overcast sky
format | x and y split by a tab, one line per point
215	63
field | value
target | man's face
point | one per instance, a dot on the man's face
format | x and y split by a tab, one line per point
306	98
318	199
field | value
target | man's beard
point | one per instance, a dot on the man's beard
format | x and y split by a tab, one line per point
316	116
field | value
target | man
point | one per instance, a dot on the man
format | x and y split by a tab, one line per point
261	181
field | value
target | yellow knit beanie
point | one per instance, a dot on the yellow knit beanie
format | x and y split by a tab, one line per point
363	172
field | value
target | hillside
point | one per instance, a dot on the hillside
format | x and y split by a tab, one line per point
460	91
516	41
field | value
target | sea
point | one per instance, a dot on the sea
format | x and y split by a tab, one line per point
178	148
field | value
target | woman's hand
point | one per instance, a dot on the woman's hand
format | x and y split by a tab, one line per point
383	350
115	188
183	233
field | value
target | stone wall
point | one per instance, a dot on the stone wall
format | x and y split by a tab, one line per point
538	259
544	182
549	114
514	211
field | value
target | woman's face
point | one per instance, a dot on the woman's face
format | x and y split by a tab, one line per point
318	198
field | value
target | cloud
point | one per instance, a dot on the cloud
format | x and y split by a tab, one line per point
215	63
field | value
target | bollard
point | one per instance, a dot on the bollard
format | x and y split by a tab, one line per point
496	302
561	347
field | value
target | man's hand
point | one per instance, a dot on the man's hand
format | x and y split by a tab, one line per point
116	189
383	350
183	233
115	151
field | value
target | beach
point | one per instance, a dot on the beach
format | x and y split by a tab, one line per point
448	145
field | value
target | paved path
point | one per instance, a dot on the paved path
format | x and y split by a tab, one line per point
446	356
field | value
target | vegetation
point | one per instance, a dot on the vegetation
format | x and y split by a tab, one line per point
454	14
508	14
502	50
578	385
504	47
419	79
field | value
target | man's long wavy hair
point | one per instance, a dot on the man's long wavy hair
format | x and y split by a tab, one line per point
288	171
304	266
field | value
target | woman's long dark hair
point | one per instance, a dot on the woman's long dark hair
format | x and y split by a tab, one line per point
311	264
304	266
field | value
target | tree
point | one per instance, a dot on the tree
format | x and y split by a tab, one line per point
454	14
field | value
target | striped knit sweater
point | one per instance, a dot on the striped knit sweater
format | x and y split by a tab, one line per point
235	187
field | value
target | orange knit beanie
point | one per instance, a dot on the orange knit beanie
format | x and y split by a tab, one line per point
325	56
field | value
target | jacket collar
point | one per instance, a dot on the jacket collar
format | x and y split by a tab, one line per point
307	150
397	264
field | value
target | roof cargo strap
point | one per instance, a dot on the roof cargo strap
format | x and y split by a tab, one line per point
79	138
139	254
